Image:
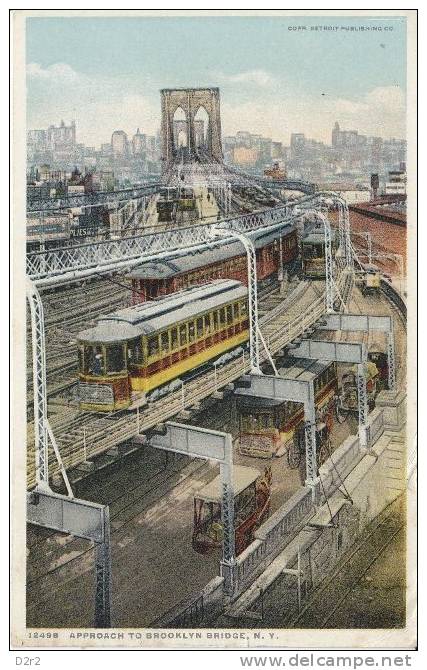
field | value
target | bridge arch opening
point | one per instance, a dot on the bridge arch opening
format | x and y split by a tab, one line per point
180	129
201	126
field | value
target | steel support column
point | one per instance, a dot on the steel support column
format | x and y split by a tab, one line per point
103	575
39	387
84	519
252	294
212	445
362	401
391	359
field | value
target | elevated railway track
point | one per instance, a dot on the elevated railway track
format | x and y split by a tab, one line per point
82	435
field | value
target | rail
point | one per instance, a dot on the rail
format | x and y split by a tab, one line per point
87	435
395	298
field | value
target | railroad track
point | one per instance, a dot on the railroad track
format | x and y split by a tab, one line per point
83	435
339	584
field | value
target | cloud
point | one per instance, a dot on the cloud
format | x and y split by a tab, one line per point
257	77
58	72
380	112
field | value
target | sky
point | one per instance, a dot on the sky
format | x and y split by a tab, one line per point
276	75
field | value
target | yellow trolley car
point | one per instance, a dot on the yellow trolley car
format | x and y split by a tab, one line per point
137	349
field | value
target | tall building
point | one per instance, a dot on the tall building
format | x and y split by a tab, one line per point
61	137
119	143
138	143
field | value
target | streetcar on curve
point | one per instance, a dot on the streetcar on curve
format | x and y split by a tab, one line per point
252	495
140	348
269	428
313	253
369	280
347	398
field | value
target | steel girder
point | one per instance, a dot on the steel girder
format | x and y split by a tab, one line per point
211	445
342	352
97	199
366	323
291	390
84	519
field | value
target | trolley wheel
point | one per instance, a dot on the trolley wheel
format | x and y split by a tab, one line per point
294	456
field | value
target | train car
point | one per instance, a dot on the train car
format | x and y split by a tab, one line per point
252	495
269	428
140	348
347	399
313	253
150	280
369	281
186	200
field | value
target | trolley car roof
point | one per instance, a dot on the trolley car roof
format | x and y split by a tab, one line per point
151	317
211	254
242	478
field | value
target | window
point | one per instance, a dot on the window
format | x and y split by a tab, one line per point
174	338
153	345
243	309
191	331
207	322
183	334
115	358
215	321
236	311
164	340
94	360
222	316
199	325
229	315
135	352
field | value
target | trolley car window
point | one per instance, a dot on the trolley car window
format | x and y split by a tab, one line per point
222	316
207	321
229	315
215	321
199	324
135	351
115	358
94	360
191	331
236	311
174	338
164	339
153	346
183	334
243	309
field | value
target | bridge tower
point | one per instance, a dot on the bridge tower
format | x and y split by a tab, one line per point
190	100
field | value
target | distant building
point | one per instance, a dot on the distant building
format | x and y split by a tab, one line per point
139	141
119	143
396	183
244	156
62	137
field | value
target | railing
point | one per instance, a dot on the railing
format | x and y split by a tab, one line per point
273	536
394	296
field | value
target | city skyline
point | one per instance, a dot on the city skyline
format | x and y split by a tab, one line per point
109	78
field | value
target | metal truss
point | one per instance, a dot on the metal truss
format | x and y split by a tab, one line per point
39	387
90	200
292	390
342	352
108	255
255	334
84	519
213	445
366	323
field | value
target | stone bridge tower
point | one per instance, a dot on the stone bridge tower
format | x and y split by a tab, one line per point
190	100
